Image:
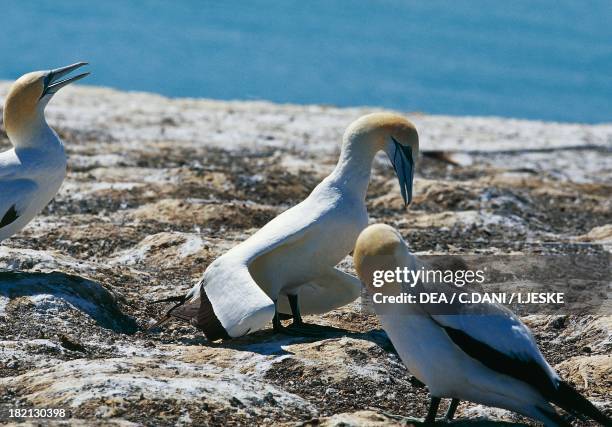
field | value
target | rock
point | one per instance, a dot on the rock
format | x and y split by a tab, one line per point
158	188
601	234
71	345
355	419
589	373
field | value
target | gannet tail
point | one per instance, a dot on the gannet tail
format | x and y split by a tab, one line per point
168	316
206	319
227	303
569	399
197	311
179	298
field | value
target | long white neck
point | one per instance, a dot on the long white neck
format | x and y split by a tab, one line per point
352	173
34	133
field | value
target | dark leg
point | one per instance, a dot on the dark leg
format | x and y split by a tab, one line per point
450	413
433	410
295	309
276	323
294	329
429	419
298	327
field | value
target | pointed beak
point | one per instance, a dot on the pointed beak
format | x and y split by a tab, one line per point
54	81
403	163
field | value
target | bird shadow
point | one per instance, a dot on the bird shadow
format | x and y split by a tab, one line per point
268	343
83	294
458	423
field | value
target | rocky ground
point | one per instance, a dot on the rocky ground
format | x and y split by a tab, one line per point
157	188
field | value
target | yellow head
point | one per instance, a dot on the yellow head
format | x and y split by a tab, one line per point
379	247
381	128
393	134
25	103
22	102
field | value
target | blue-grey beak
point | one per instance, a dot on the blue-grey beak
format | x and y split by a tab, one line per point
403	163
53	79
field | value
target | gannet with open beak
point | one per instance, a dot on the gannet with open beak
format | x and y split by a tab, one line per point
32	172
288	265
489	358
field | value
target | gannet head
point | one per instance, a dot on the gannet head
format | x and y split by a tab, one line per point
26	101
394	134
378	247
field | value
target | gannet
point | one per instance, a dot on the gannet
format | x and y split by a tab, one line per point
32	172
489	358
288	266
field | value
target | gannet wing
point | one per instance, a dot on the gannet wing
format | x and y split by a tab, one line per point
228	302
483	324
288	228
503	332
496	327
500	341
15	198
9	166
327	292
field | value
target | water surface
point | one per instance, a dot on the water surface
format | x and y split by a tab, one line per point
548	60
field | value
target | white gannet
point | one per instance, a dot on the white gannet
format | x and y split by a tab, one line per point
489	358
288	266
32	172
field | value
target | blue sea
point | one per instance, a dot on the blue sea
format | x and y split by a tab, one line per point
549	60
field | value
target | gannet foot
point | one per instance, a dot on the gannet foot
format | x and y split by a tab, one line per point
278	327
298	327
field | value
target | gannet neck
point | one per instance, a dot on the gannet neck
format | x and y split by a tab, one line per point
32	132
352	172
363	139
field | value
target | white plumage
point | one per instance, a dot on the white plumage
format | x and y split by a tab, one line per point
32	172
481	352
289	264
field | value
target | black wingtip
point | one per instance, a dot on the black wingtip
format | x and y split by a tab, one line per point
568	398
9	217
555	418
207	320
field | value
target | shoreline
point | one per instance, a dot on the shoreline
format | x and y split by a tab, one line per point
554	134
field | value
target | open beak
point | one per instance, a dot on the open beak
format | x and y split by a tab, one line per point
403	163
54	81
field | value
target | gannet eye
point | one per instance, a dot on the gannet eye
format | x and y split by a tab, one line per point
46	82
48	79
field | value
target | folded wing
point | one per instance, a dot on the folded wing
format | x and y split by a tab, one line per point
15	198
